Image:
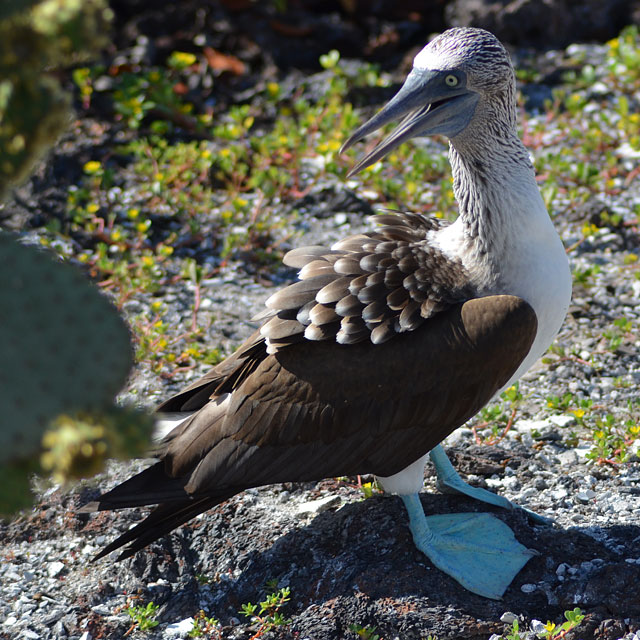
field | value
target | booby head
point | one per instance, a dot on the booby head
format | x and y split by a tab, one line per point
453	77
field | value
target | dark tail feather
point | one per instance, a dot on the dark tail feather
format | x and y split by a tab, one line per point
151	486
159	522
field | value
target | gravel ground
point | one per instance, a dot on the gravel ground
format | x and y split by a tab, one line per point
348	560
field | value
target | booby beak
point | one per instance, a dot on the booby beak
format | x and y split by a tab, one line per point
431	102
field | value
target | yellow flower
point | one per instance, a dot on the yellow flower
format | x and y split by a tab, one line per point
92	167
92	207
164	250
274	89
133	213
182	59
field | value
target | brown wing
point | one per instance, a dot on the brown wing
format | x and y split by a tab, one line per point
367	287
321	409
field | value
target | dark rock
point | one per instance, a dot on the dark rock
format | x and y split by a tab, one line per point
542	23
328	201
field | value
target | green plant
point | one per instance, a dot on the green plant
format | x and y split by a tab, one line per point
144	616
36	36
550	630
497	419
553	632
54	329
514	631
267	614
366	633
612	438
622	329
204	626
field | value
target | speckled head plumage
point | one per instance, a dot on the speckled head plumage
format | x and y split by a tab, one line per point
476	52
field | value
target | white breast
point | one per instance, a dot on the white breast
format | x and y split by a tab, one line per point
531	263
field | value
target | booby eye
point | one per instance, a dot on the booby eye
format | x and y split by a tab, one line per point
451	80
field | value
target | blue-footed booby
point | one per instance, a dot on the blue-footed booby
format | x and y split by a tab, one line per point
390	339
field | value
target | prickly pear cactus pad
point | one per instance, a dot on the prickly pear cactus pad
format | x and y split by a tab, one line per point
63	346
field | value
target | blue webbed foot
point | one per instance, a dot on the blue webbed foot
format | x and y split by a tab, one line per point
449	481
476	549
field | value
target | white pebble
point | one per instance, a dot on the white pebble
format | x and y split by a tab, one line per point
508	617
179	629
537	627
318	506
55	568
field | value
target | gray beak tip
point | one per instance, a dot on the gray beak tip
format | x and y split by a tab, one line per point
347	144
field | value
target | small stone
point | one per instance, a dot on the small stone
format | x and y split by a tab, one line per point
179	629
10	621
559	494
27	634
508	617
101	610
318	506
55	568
585	496
586	566
562	421
528	588
537	627
525	426
568	458
540	484
341	218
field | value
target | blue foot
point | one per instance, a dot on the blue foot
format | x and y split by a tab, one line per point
476	549
450	482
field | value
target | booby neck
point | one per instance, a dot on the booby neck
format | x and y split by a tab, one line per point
501	211
494	182
503	235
